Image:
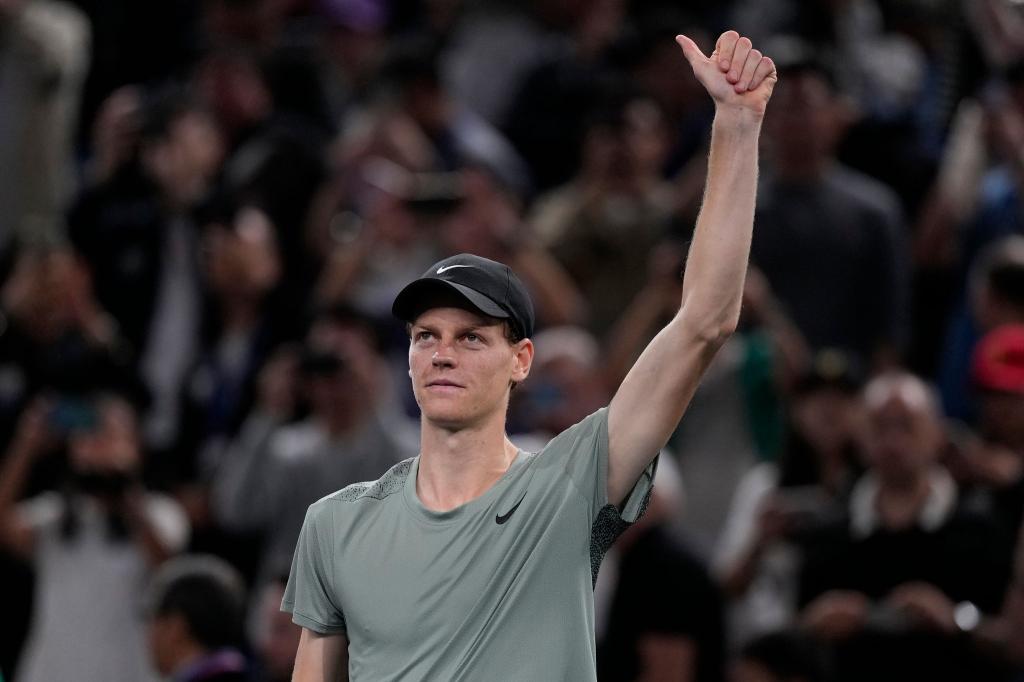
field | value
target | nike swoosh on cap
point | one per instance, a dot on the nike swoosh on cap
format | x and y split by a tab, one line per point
449	267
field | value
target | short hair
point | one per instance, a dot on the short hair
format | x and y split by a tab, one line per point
207	593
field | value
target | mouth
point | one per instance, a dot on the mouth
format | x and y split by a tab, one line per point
444	384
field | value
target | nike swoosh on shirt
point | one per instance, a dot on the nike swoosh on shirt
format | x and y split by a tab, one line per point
502	518
449	267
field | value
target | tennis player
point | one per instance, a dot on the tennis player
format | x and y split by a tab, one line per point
476	560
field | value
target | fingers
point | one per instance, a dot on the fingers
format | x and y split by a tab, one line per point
765	68
739	58
690	50
725	47
751	65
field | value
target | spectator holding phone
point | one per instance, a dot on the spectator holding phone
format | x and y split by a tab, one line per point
892	585
757	558
92	543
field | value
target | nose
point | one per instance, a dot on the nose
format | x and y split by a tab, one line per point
442	358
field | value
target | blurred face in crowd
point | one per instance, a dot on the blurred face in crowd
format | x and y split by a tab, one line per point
106	440
242	262
903	435
669	78
826	418
236	91
344	375
803	126
485	222
565	385
184	162
462	365
628	153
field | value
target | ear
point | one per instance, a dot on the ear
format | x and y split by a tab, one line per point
523	359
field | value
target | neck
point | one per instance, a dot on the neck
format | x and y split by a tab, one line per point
458	465
900	502
240	313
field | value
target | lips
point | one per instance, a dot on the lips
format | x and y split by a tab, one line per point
444	383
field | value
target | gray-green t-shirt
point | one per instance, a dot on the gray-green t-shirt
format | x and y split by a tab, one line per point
500	588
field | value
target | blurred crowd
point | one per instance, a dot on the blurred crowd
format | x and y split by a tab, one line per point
210	205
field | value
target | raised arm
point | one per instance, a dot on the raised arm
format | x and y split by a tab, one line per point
653	396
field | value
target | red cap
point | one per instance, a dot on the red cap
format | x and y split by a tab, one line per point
998	362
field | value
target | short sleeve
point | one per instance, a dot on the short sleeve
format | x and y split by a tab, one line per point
583	451
168	520
308	595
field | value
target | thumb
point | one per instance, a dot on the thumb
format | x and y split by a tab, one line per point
691	51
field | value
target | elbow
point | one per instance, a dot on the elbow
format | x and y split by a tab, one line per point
713	334
710	328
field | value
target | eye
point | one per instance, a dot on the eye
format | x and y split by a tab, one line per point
423	336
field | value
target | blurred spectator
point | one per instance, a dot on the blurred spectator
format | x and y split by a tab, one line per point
665	620
496	44
354	44
454	134
650	61
43	63
994	462
241	269
603	224
548	112
994	296
275	154
782	656
275	638
92	542
273	471
734	415
757	559
374	233
194	613
828	238
565	384
55	335
883	584
137	233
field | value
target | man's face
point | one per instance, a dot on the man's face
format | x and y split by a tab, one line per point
903	439
461	366
805	122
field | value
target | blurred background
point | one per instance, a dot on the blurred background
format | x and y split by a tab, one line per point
207	207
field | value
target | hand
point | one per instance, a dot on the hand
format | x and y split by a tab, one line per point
115	132
837	614
773	522
926	605
33	434
735	75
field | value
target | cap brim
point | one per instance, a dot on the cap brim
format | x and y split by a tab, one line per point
415	298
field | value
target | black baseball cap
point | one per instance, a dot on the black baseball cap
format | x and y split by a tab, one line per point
488	286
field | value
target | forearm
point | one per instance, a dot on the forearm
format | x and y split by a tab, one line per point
12	478
717	263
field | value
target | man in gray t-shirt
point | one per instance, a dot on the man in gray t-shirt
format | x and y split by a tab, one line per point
475	560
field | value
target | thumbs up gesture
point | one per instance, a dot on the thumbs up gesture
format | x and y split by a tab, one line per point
735	75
